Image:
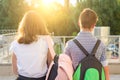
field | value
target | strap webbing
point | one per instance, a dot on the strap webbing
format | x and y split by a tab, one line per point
81	47
52	52
95	47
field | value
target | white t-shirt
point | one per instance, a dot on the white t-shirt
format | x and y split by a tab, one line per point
31	58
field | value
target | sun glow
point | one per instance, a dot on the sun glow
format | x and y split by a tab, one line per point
60	1
48	2
73	2
28	2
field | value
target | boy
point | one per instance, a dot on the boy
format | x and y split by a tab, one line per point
87	22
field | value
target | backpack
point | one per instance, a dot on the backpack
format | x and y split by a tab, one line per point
89	68
60	68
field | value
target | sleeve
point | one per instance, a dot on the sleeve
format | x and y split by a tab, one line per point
12	47
103	57
67	49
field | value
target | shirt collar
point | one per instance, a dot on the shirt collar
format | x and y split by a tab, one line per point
85	33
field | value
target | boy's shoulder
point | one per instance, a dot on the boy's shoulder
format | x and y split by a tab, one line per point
70	42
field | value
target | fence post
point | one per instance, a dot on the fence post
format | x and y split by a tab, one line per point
64	40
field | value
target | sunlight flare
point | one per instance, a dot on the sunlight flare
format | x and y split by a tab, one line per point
29	2
47	2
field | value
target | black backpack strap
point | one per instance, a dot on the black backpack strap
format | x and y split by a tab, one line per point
95	47
81	47
54	69
56	59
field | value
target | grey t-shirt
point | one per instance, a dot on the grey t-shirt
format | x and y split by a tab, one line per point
88	41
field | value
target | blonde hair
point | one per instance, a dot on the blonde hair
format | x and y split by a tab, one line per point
88	18
30	27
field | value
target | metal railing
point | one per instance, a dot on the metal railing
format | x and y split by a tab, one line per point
7	31
112	45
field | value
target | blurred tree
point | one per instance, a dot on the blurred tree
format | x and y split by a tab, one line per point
10	13
61	19
106	10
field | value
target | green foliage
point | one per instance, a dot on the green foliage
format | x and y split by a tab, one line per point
74	34
57	48
107	10
11	12
62	19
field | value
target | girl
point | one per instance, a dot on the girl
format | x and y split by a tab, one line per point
30	53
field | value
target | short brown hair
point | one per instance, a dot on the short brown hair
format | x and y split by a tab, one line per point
87	18
30	27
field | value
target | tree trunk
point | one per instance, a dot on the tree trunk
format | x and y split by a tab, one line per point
66	4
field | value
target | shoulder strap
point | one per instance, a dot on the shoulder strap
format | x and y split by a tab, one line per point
95	47
56	59
52	52
81	47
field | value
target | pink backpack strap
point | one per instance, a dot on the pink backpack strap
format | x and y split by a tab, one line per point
50	46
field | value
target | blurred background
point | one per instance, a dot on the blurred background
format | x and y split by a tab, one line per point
61	17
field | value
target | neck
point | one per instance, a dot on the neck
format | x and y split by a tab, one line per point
86	30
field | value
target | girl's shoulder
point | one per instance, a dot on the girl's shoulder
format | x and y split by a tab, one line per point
14	42
13	46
